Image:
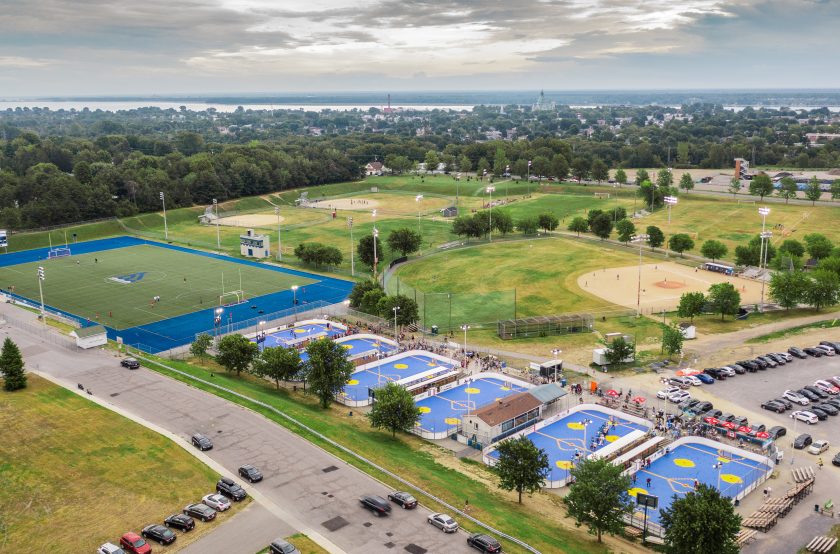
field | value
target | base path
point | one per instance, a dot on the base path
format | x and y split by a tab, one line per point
662	284
345	204
250	220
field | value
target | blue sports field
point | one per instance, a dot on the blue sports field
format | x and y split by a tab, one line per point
444	411
359	345
564	437
389	369
676	472
299	333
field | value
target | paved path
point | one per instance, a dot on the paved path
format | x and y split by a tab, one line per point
249	531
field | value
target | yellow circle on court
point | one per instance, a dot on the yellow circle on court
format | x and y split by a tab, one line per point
683	462
575	425
611	438
452	421
729	478
347	346
424	409
505	388
564	464
299	331
472	390
400	366
636	490
353	382
724	460
431	364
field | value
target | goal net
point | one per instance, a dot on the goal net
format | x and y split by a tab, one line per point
58	252
232	298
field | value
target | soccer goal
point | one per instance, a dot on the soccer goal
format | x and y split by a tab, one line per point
602	195
58	252
232	298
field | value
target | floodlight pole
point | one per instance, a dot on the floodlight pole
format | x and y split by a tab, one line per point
464	328
528	178
165	226
556	352
41	277
218	240
279	244
490	192
396	334
640	239
352	257
419	199
670	201
294	297
375	235
764	211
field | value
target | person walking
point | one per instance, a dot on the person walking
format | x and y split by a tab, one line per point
647	482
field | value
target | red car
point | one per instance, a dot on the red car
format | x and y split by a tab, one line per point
135	544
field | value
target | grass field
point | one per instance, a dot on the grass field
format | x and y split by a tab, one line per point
76	475
82	284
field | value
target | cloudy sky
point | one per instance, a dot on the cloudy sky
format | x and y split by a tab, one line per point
125	47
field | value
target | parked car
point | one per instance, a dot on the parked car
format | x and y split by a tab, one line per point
133	543
712	413
740	421
716	373
200	511
802	441
231	489
749	364
821	415
762	364
484	543
680	382
702	407
159	533
443	522
818	447
784	401
796	397
249	472
109	548
815	352
773	406
726	416
802	415
282	546
836	459
739	369
678	397
793	350
835	380
693	380
666	392
825	386
816	390
688	404
777	431
768	360
780	360
706	379
130	363
217	502
827	350
833	402
180	521
809	395
201	442
403	499
376	504
828	408
728	371
785	355
758	427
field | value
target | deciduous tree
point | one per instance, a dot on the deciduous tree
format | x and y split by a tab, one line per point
656	237
761	186
393	409
521	466
701	522
619	350
602	226
787	288
579	225
528	225
548	221
787	188
598	496
818	245
813	191
691	304
686	182
236	353
626	230
365	250
327	369
277	363
672	339
680	243
734	186
724	299
200	346
620	176
713	249
405	241
823	289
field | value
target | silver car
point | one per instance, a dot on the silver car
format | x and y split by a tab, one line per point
109	548
443	522
282	546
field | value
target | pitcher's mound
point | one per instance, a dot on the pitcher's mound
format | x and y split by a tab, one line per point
669	284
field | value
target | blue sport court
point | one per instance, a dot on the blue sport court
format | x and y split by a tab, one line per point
390	369
444	411
564	437
299	333
359	346
676	472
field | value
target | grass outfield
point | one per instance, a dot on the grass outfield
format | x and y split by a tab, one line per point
186	283
76	475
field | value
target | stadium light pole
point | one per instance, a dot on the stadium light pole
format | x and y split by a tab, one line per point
641	240
41	277
765	236
556	352
218	239
585	424
528	178
375	235
419	199
217	321
352	257
396	334
718	466
294	297
165	226
279	244
490	192
464	328
670	201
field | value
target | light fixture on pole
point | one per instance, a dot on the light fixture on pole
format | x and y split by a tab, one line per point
765	237
490	192
217	320
641	240
763	211
396	334
585	423
41	277
555	352
279	244
352	256
464	328
165	226
294	295
418	199
718	467
670	201
528	179
216	210
375	238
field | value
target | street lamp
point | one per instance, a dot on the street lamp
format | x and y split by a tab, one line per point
585	424
528	179
41	277
165	227
218	240
641	240
279	244
765	236
375	235
718	466
294	294
670	201
418	199
217	320
352	257
464	328
490	192
555	352
396	335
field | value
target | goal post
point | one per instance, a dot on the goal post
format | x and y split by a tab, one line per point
231	298
58	252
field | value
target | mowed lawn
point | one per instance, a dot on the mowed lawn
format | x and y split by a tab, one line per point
76	475
481	280
83	284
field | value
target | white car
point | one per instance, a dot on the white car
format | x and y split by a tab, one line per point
829	351
217	502
666	392
795	397
805	416
826	386
679	396
110	548
834	380
787	357
818	447
728	371
443	522
694	380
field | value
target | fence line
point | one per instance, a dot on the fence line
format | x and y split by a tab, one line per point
46	333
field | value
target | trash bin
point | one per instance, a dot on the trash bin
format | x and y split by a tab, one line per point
563	382
817	508
434	329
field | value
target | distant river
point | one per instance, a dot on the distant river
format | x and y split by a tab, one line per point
113	106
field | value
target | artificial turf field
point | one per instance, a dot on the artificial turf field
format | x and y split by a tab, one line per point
84	284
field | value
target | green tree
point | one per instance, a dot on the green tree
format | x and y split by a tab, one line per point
734	186
724	299
691	305
540	167
464	164
370	301
318	254
823	289
482	166
277	363
236	353
713	249
365	250
787	188
431	160
521	466
761	185
620	176
598	497
792	247
393	409
407	314
327	369
641	177
405	241
656	237
686	182
500	161
11	366
680	243
619	350
528	225
701	522
200	346
831	263
360	289
665	181
581	166
787	288
548	221
672	339
502	222
750	254
559	167
835	189
625	229
813	192
602	226
818	245
600	171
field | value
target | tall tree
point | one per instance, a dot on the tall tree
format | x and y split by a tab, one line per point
713	249
548	221
600	172
521	466
665	181
787	188
359	290
464	164
656	237
619	350
761	185
200	346
407	312
236	353
502	222
529	225
405	241
277	363
672	339
686	182
581	166
626	230
835	189
327	369
818	245
734	186
813	191
787	288
724	299
680	243
559	167
431	160
823	289
620	176
701	522
691	305
598	497
500	161
641	177
578	225
394	409
602	226
365	250
11	366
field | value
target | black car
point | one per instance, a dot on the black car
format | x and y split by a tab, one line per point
249	472
726	417
688	404
180	521
785	402
816	390
809	395
833	402
777	431
797	352
739	369
815	352
781	360
773	406
376	504
702	407
712	413
830	409
836	459
740	421
231	489
403	499
758	427
201	442
749	364
159	534
715	372
761	363
484	543
767	360
821	415
833	345
200	511
130	363
802	441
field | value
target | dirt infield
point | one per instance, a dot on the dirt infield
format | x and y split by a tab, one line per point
345	204
662	285
250	220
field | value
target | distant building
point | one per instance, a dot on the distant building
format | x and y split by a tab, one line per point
742	169
451	211
90	337
374	168
254	246
543	105
818	139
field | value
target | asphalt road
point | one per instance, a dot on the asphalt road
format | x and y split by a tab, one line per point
311	487
249	531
